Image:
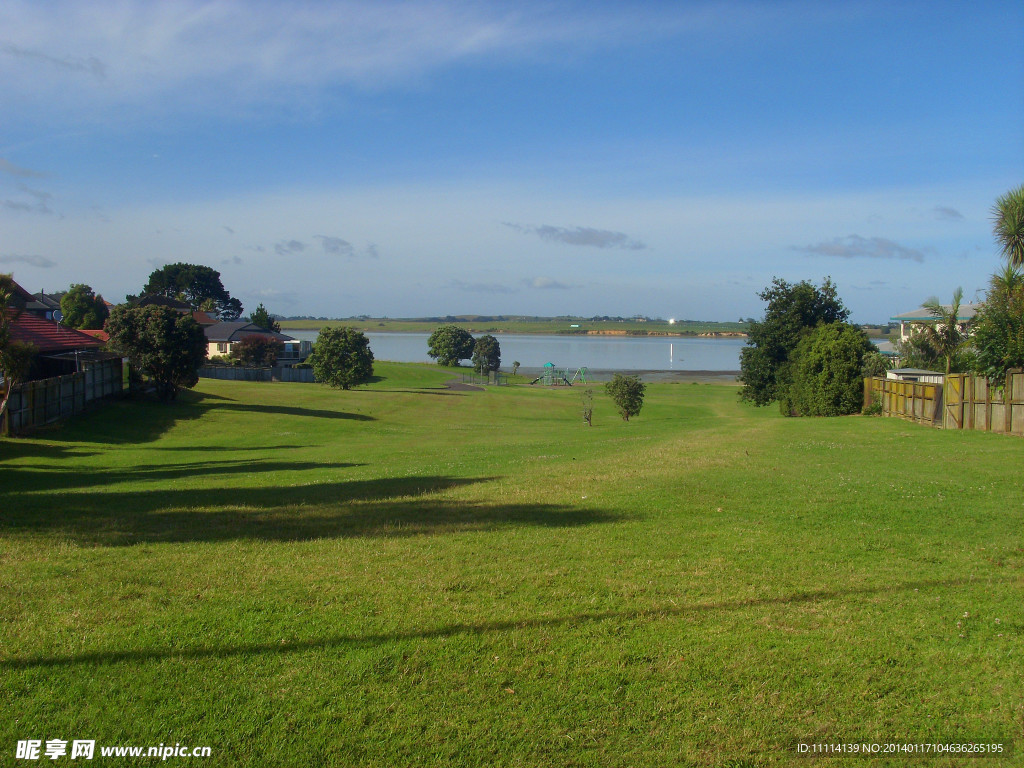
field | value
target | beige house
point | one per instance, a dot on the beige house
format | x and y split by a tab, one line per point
221	336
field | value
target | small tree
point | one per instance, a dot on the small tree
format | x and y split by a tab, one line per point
486	355
827	372
262	318
998	337
342	357
515	366
627	392
83	309
257	350
588	407
449	344
163	345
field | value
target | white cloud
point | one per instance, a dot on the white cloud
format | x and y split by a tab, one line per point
855	247
289	247
42	262
587	236
945	213
6	166
546	284
226	55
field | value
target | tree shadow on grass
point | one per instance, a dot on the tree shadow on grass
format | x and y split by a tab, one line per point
130	421
373	640
20	448
29	479
385	508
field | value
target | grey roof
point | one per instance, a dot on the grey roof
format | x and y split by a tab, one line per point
967	312
237	330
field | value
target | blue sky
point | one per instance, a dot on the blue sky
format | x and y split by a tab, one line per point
435	157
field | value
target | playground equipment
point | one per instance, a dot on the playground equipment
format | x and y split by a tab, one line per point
556	377
581	374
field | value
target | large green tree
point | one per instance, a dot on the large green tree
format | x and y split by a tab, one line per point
826	372
998	336
199	285
449	344
342	357
263	319
1008	213
486	354
82	308
162	345
793	310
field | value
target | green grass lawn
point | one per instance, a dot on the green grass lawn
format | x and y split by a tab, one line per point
406	575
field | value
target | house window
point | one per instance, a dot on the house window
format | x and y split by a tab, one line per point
222	347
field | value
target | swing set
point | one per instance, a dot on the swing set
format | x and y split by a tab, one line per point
557	377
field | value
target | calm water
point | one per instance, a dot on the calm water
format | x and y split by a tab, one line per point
615	353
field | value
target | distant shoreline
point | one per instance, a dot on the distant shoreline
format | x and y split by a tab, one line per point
550	326
598	375
619	334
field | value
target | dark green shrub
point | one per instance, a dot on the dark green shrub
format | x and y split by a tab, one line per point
825	372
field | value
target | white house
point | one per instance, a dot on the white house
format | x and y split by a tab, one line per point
908	320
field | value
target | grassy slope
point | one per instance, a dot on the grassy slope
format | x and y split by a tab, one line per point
405	575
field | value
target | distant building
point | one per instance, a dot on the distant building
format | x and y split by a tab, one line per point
221	336
59	350
908	320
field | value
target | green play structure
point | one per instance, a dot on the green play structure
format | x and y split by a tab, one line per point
557	377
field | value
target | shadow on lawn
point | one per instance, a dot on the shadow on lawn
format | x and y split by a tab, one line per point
28	479
343	642
387	507
131	420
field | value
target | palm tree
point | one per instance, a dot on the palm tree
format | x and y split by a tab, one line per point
1008	213
942	332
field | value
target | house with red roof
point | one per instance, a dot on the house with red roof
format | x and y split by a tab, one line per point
58	350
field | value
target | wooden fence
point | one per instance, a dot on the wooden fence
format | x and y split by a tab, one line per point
243	373
973	403
963	401
36	403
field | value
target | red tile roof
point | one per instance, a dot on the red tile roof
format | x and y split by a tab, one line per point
48	336
98	334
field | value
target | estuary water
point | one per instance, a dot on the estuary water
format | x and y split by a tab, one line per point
609	353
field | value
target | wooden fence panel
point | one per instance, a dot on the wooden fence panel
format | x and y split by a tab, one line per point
1015	403
964	401
45	401
953	396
